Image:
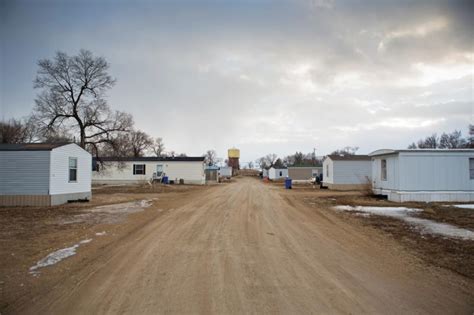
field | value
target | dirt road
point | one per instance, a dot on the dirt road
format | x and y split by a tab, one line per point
247	247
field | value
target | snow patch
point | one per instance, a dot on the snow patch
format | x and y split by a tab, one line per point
463	206
101	233
57	256
424	225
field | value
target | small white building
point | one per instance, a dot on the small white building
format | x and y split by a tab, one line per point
424	174
347	172
225	171
44	174
277	173
188	170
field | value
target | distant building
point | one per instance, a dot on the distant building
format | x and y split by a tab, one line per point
424	174
233	159
225	171
189	170
303	173
44	174
277	173
347	172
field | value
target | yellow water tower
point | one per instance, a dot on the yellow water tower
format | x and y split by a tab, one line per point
233	158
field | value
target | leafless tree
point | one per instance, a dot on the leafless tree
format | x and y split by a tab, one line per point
139	142
72	96
17	131
158	147
452	140
210	157
346	151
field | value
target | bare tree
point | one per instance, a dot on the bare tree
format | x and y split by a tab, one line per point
139	142
18	131
158	147
210	157
251	165
452	140
346	151
72	96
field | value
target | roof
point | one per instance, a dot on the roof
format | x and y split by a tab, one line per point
337	157
153	158
390	151
30	146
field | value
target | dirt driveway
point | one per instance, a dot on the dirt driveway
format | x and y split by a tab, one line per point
245	248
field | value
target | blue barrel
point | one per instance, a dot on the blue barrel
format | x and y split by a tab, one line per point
165	180
288	183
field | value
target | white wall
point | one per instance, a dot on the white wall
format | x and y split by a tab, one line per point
191	171
59	165
352	172
275	173
393	172
24	172
328	164
424	171
225	171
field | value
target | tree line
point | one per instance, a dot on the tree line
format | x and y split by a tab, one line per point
453	140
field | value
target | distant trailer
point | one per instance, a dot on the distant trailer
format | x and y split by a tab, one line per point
277	173
135	170
347	172
303	173
225	171
424	174
44	174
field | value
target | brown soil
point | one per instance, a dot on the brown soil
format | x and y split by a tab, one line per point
243	247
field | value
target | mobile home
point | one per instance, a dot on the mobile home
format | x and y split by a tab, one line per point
303	173
133	170
44	174
424	174
277	173
347	172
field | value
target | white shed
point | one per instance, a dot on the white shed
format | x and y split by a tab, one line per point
44	174
189	170
225	171
277	173
347	172
424	174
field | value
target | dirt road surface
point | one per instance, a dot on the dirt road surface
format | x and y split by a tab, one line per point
247	247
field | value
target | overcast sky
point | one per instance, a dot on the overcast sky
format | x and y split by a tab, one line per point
263	76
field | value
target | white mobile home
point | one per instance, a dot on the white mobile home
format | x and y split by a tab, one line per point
424	174
347	172
277	173
44	174
189	170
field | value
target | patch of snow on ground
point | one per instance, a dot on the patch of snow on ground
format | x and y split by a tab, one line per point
57	256
101	233
464	206
424	225
127	207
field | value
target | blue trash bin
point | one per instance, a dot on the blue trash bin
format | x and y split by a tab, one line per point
288	183
165	180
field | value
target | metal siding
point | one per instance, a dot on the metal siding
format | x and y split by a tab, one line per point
191	172
328	179
60	170
435	171
393	171
352	172
24	172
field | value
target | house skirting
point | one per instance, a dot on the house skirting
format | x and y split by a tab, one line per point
426	196
41	200
345	186
137	182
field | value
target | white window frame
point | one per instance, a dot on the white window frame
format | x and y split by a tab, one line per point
471	168
135	172
383	169
73	167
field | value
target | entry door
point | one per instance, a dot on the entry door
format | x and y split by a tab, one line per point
159	170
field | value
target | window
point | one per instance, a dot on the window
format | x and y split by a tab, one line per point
281	173
138	169
383	170
471	168
327	170
72	169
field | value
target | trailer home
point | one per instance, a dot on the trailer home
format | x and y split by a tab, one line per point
347	172
134	170
303	173
277	173
44	174
424	174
